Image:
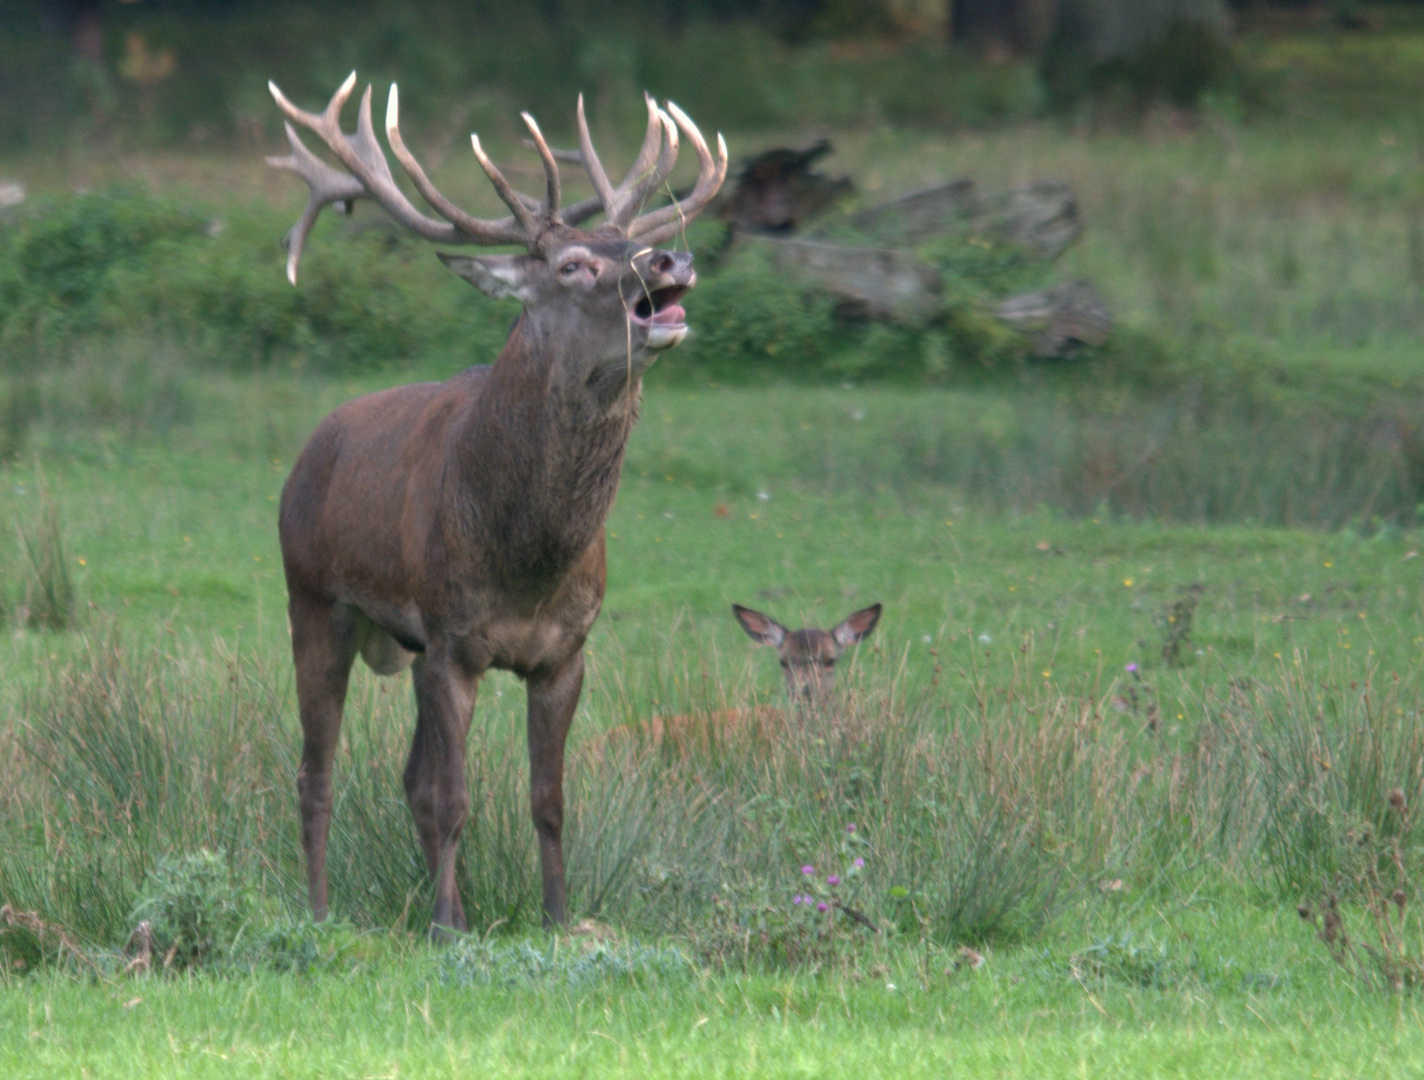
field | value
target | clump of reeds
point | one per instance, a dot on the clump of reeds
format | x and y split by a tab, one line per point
1386	949
48	601
947	817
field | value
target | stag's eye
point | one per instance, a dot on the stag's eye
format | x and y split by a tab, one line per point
573	266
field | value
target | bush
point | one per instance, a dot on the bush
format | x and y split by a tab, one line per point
78	270
193	908
581	962
87	278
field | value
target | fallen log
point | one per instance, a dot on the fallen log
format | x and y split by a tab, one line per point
1042	216
875	283
1059	320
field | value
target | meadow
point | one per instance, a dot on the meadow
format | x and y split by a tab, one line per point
1147	679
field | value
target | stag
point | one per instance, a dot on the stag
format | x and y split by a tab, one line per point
459	526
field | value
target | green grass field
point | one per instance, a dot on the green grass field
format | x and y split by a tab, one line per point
1147	678
1276	1012
1197	964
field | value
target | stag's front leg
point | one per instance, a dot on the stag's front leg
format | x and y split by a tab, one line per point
553	696
435	776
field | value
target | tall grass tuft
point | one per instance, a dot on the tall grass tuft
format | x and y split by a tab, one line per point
1331	752
966	817
127	758
49	600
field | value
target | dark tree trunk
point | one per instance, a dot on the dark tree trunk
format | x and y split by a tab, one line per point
82	22
1015	27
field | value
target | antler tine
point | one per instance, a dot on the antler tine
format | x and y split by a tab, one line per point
362	155
330	118
512	199
371	175
591	165
625	200
505	231
648	156
327	185
571	157
662	224
551	168
650	181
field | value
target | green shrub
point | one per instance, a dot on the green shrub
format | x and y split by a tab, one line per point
78	270
107	278
195	911
1148	965
580	962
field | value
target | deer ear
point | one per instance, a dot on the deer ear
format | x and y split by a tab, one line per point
497	276
759	627
855	627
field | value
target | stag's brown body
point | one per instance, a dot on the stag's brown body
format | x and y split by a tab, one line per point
456	527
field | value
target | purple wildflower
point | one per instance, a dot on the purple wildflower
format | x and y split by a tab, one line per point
858	863
796	900
833	880
850	827
808	870
1132	669
823	906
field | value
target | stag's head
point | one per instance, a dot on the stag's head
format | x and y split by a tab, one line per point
607	295
808	656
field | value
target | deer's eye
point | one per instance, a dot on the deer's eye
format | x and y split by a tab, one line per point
573	266
828	663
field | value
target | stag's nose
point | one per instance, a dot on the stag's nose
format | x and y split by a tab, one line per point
673	264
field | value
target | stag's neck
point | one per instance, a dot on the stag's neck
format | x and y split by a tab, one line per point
541	457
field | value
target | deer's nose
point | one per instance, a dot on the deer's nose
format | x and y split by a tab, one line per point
670	262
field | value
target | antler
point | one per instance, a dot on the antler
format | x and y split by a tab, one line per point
650	170
370	175
665	223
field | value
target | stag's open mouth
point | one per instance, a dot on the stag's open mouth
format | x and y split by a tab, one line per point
660	307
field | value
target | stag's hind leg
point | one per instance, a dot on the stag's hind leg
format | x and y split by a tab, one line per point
324	640
435	775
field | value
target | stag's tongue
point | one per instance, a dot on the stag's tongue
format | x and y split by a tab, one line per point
672	315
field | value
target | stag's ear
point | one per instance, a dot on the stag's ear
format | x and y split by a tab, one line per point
855	627
760	627
497	276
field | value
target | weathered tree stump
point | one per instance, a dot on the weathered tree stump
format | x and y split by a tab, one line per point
1042	216
1061	319
776	192
858	261
876	283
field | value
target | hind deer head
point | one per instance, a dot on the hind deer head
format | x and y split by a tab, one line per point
808	656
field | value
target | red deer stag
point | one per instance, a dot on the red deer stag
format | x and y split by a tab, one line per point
808	660
455	527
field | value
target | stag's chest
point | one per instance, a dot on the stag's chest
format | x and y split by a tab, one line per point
522	627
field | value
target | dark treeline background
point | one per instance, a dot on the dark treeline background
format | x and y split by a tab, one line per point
183	72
